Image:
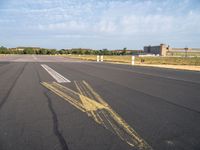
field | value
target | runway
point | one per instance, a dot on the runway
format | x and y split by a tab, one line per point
58	103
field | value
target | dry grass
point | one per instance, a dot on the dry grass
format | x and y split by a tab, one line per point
169	60
120	59
182	54
83	57
143	60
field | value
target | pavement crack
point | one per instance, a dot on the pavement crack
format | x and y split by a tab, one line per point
55	124
12	86
37	72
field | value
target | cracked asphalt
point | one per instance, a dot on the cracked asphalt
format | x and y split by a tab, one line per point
162	105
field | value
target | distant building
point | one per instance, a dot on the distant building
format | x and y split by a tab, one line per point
127	52
162	49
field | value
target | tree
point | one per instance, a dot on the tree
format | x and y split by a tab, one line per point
3	50
87	52
42	51
105	52
29	51
51	51
124	51
62	51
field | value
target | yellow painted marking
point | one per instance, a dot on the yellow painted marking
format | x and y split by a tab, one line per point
65	96
96	95
88	101
89	104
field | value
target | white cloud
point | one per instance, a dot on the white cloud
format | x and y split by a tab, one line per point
122	19
66	26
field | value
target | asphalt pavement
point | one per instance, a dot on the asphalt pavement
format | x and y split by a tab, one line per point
58	103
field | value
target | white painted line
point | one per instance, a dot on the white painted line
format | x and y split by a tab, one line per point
58	77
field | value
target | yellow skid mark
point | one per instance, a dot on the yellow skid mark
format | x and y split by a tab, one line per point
88	101
89	89
68	97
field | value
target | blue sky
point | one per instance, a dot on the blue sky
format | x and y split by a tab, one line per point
98	24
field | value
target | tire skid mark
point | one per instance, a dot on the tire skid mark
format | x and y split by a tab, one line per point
88	101
37	72
12	86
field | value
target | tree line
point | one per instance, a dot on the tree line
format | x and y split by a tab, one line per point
42	51
79	51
